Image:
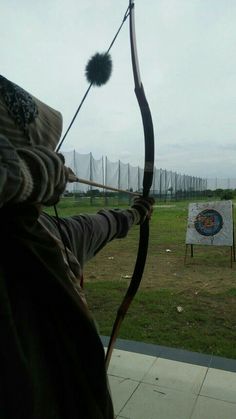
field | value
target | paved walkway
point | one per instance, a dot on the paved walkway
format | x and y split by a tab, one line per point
154	382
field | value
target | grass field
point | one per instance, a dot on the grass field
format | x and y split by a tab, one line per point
204	287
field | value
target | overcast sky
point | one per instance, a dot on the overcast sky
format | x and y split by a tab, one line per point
188	67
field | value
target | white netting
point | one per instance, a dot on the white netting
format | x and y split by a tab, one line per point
124	176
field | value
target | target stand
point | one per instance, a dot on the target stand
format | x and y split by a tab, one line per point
210	223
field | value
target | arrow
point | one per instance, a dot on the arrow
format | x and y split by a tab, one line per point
100	185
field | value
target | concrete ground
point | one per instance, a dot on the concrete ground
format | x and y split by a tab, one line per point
155	382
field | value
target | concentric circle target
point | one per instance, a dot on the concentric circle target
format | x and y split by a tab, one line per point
208	222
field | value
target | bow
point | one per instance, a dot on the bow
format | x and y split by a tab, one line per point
147	183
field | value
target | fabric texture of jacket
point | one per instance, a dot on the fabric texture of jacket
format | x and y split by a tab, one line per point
52	359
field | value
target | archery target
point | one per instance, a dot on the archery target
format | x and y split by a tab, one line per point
210	223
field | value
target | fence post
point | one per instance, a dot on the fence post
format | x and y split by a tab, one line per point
160	184
139	187
154	181
91	175
105	180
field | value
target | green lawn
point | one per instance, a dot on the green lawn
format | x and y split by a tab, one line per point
205	288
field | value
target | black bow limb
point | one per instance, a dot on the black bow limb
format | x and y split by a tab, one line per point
147	183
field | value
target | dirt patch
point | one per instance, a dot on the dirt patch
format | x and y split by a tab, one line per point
209	270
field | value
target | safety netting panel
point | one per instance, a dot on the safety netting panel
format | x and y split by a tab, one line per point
111	173
135	179
97	172
124	176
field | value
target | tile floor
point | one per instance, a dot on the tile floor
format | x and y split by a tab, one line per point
146	386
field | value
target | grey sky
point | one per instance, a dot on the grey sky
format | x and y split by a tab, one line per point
187	60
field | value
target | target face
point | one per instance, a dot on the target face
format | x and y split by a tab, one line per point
208	222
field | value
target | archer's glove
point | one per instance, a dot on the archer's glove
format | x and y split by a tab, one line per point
144	208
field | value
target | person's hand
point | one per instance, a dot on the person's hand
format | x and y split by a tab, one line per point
144	207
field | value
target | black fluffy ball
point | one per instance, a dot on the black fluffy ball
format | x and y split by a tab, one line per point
98	69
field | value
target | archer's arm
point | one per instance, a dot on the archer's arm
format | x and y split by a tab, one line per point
86	234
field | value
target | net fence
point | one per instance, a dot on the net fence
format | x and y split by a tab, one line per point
124	176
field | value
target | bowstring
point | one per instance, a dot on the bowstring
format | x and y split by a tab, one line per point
126	15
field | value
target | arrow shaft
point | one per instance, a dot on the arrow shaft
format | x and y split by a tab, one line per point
100	185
